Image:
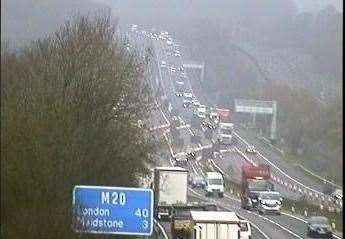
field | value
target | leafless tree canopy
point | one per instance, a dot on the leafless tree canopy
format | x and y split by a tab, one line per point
69	107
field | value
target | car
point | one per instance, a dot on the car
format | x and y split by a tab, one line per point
208	123
214	117
179	82
180	69
269	202
163	64
337	195
175	121
173	69
181	159
187	103
179	93
191	155
177	54
169	42
134	27
251	149
188	95
198	181
319	226
196	103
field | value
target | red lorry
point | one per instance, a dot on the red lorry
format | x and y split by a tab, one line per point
255	180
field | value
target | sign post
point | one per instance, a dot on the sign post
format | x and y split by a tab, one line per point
113	210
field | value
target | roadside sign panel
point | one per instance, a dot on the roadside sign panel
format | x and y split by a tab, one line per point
113	210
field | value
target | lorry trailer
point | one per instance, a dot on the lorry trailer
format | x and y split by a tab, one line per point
170	187
210	225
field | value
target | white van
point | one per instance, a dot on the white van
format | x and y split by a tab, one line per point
214	184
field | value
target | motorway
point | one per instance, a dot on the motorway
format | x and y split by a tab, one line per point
283	226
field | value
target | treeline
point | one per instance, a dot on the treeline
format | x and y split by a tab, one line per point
311	130
70	103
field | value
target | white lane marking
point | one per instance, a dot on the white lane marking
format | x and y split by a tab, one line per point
295	217
278	225
165	118
245	157
232	198
161	228
276	167
246	143
159	127
317	176
194	170
217	167
260	231
226	150
170	148
191	132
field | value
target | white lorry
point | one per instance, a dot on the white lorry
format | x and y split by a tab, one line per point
225	128
218	225
214	184
170	187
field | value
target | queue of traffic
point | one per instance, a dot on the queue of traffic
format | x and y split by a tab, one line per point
170	184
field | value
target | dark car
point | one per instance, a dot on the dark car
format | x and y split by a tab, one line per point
198	181
187	103
319	226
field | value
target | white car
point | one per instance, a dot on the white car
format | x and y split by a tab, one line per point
163	64
179	82
269	202
177	54
251	149
196	103
183	75
169	43
188	96
246	231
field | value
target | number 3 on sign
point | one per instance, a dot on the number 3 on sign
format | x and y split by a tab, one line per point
141	212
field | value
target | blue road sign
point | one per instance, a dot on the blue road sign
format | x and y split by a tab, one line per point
113	210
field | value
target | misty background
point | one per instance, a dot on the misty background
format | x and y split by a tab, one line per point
288	50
